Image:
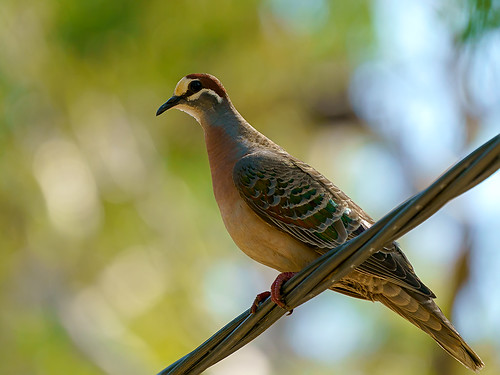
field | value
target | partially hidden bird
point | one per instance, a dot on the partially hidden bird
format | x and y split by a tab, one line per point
283	213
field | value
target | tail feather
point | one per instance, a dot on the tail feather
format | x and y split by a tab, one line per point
423	312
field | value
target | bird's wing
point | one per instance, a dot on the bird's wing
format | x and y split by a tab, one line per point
295	198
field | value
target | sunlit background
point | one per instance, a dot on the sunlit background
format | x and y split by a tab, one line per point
113	257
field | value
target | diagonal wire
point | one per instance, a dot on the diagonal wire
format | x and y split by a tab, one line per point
323	272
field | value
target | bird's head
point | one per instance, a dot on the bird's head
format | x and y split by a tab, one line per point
197	95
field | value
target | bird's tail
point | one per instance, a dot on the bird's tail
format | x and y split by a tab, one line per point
423	312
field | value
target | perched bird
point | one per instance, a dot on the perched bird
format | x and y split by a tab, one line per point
283	213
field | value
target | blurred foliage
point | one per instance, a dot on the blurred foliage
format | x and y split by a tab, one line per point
483	15
113	258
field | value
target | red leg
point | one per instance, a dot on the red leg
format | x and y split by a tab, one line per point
260	298
276	296
275	293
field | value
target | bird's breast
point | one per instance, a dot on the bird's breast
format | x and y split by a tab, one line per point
256	238
259	240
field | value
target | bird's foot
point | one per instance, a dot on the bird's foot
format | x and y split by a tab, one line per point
275	293
258	299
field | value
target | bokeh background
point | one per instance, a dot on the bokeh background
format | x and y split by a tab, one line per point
113	257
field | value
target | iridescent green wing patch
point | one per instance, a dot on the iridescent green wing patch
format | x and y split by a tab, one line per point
286	196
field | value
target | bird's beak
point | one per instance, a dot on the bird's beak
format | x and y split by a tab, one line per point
172	102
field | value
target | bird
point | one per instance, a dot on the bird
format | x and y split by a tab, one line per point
284	214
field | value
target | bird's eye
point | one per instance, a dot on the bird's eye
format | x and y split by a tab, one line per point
195	86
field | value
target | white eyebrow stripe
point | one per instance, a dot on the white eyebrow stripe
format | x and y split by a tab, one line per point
197	95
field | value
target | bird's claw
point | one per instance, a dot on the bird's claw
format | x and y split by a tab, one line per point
275	293
257	301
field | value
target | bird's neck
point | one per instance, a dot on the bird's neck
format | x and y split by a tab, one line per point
228	138
227	134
